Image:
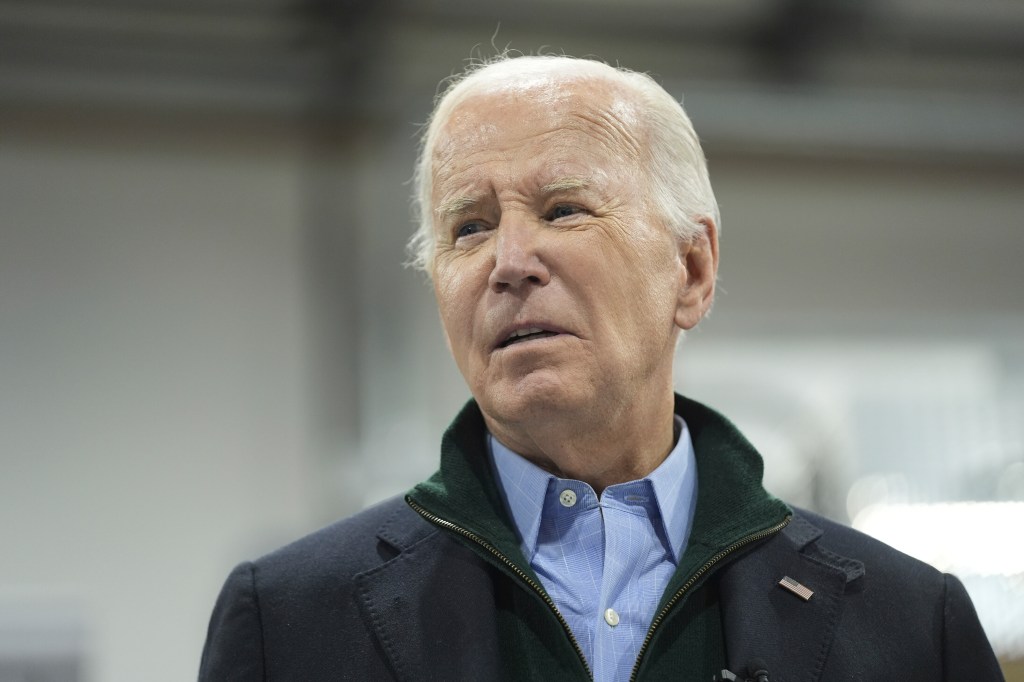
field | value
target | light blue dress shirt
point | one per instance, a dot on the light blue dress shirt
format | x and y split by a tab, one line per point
605	561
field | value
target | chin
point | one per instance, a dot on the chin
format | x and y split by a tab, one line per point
535	397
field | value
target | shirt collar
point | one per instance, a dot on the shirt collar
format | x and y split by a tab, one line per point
524	486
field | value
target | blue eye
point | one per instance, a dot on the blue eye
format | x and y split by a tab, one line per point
468	229
562	211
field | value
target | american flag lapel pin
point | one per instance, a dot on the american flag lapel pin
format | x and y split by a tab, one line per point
796	588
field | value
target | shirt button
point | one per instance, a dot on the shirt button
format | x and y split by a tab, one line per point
611	617
567	498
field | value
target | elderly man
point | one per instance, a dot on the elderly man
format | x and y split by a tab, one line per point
586	522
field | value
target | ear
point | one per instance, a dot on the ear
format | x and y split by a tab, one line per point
699	259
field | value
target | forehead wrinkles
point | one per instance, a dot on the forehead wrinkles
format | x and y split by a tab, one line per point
563	120
616	126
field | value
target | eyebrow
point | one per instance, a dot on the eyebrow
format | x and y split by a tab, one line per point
457	206
565	185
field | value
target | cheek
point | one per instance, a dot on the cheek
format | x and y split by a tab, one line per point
460	283
455	306
444	283
649	285
642	265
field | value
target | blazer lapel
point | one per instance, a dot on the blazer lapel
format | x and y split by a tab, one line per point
763	620
431	605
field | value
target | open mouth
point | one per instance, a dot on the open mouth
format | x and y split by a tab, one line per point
521	335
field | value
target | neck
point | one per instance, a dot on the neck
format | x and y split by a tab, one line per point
600	446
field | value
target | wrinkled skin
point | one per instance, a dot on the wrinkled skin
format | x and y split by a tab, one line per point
543	221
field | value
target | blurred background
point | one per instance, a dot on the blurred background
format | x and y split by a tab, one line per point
209	346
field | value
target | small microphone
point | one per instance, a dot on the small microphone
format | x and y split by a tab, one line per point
758	670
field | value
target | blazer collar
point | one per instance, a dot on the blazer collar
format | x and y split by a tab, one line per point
763	620
430	591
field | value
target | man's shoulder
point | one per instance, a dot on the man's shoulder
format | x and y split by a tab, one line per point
346	547
861	554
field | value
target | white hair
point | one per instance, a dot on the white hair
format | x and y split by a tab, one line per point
680	189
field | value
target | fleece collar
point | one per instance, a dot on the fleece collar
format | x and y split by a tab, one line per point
731	502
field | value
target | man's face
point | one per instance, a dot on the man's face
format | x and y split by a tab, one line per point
558	285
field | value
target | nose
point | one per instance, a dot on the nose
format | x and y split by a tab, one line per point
517	259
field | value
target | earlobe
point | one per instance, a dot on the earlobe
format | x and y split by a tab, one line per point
698	272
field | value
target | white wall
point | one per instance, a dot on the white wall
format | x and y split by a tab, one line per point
152	332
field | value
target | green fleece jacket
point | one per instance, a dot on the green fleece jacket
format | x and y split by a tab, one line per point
684	641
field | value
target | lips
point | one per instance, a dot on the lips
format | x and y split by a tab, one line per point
525	332
521	335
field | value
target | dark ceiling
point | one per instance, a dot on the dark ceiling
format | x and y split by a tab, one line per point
922	77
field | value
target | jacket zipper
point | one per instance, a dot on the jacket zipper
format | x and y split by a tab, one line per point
448	525
693	579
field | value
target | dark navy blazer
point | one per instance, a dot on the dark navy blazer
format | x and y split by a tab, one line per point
385	595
